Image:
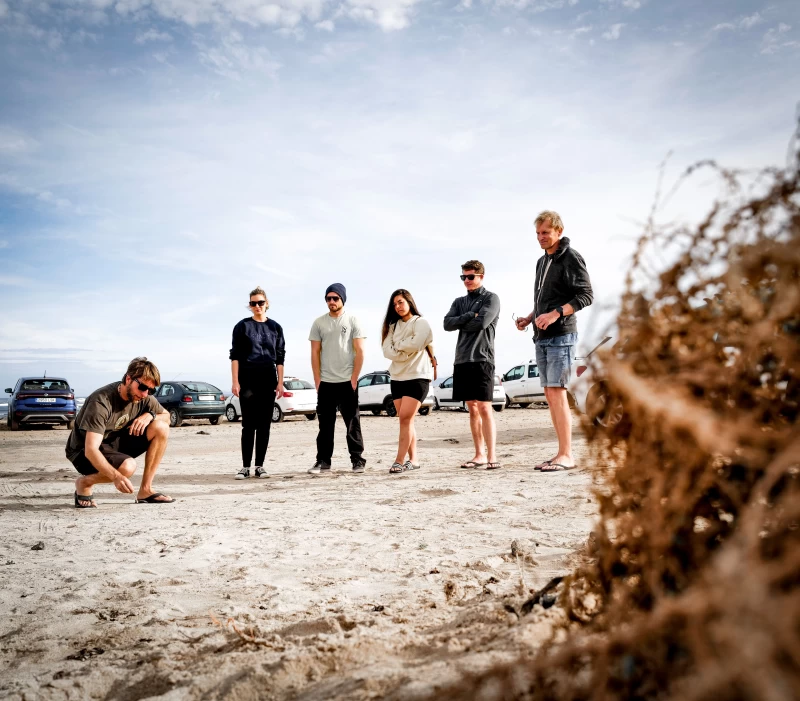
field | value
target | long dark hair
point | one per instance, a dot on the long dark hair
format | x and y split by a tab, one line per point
392	317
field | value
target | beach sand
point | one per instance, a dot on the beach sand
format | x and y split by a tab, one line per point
349	586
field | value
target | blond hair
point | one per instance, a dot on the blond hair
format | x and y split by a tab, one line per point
259	291
550	216
143	369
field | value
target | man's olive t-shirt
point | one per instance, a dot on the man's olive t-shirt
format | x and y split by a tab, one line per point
106	412
338	354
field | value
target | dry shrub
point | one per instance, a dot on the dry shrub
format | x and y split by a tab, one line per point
694	591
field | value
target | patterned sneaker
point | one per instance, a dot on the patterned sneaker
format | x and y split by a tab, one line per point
243	474
359	465
319	468
408	465
261	473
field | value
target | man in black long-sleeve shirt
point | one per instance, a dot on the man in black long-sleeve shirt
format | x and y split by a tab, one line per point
474	316
562	287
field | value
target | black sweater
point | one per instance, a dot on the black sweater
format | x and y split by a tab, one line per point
566	281
258	344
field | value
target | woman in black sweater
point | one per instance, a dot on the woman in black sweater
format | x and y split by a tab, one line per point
257	355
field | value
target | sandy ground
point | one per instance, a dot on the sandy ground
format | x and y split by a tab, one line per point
351	586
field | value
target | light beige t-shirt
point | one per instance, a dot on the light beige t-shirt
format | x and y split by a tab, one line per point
338	354
405	345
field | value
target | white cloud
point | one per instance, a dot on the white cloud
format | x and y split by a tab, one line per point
15	281
775	40
3	9
325	26
742	23
614	32
152	34
230	56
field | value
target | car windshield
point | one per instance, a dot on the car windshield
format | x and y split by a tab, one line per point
297	384
44	385
201	387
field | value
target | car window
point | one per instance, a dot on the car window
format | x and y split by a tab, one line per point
382	380
365	381
166	391
44	384
448	383
201	387
306	384
533	371
295	385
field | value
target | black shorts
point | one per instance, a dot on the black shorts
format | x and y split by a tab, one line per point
473	381
416	389
117	450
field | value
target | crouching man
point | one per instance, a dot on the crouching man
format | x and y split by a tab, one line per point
116	424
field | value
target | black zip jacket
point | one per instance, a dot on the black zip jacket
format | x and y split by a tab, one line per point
475	333
564	281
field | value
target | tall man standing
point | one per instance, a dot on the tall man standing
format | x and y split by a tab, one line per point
474	316
337	356
116	424
562	287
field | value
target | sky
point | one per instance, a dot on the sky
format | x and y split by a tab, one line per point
160	158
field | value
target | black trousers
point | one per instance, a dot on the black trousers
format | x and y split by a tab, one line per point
330	397
256	399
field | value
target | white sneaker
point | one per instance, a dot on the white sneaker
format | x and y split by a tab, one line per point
243	474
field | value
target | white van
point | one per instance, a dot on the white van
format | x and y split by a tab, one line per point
522	385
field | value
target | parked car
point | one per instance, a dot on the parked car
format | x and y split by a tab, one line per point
443	395
589	395
191	400
299	397
41	400
375	395
523	385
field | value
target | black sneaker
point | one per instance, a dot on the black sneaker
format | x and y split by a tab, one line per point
261	473
359	465
243	474
319	468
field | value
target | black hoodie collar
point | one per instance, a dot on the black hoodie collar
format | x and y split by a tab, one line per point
563	247
476	293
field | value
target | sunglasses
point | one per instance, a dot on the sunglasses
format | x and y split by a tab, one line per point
259	303
332	298
145	388
468	277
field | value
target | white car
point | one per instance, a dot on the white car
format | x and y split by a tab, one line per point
375	395
523	385
589	395
443	395
299	397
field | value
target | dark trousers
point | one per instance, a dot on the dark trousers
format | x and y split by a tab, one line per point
330	397
256	399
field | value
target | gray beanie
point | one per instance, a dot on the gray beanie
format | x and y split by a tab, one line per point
339	289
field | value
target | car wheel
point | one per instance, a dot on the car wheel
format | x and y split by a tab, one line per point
13	424
498	407
277	414
524	405
70	425
436	405
230	413
389	407
214	420
376	412
175	418
311	417
464	408
424	410
604	411
508	401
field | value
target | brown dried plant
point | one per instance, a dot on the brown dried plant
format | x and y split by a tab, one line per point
694	591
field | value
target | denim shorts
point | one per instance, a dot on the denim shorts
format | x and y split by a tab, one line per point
555	357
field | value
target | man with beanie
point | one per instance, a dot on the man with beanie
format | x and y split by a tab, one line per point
337	356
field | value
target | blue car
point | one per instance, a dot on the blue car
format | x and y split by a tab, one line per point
41	400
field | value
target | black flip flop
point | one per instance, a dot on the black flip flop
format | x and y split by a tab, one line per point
153	499
81	498
543	464
493	466
557	467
